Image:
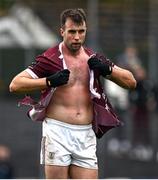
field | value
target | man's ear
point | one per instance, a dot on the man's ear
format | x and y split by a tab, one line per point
61	32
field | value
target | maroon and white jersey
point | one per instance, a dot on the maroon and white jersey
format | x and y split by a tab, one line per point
52	61
47	64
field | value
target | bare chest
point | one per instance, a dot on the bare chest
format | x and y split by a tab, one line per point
78	67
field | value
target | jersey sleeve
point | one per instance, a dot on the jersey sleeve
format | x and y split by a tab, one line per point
40	67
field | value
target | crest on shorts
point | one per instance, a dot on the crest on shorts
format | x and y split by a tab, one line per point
51	155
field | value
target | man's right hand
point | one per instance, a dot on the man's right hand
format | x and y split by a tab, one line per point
58	79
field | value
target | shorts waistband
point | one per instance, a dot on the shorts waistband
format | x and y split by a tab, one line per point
67	125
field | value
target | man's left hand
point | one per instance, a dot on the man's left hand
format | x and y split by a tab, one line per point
96	63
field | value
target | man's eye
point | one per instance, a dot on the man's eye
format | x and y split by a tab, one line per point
72	31
81	31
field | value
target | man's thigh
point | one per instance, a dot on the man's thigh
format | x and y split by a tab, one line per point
56	172
77	172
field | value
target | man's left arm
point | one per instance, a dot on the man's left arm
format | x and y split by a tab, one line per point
107	69
122	77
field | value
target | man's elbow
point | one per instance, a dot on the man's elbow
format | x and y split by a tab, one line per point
132	84
12	87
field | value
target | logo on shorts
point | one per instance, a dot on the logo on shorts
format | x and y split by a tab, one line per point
51	155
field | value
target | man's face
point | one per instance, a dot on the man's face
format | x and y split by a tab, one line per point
73	35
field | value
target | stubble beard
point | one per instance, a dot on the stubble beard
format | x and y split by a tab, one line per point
75	47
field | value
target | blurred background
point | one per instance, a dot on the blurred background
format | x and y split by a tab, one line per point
126	31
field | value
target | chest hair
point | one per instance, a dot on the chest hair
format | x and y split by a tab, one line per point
79	72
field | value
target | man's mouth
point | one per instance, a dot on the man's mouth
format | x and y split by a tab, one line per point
76	44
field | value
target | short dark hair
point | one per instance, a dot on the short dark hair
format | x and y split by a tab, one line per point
76	15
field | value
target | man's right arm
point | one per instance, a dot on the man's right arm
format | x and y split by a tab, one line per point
23	82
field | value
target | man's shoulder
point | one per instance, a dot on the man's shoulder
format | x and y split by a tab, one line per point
52	53
51	56
88	50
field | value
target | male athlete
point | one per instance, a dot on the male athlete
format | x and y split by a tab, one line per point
72	71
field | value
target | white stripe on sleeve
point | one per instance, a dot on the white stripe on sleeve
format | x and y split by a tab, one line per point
31	73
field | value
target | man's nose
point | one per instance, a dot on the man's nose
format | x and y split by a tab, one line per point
77	36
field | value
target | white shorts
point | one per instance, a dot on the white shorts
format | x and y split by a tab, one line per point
64	144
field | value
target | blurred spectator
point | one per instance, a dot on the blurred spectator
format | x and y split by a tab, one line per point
139	108
118	96
141	118
6	169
